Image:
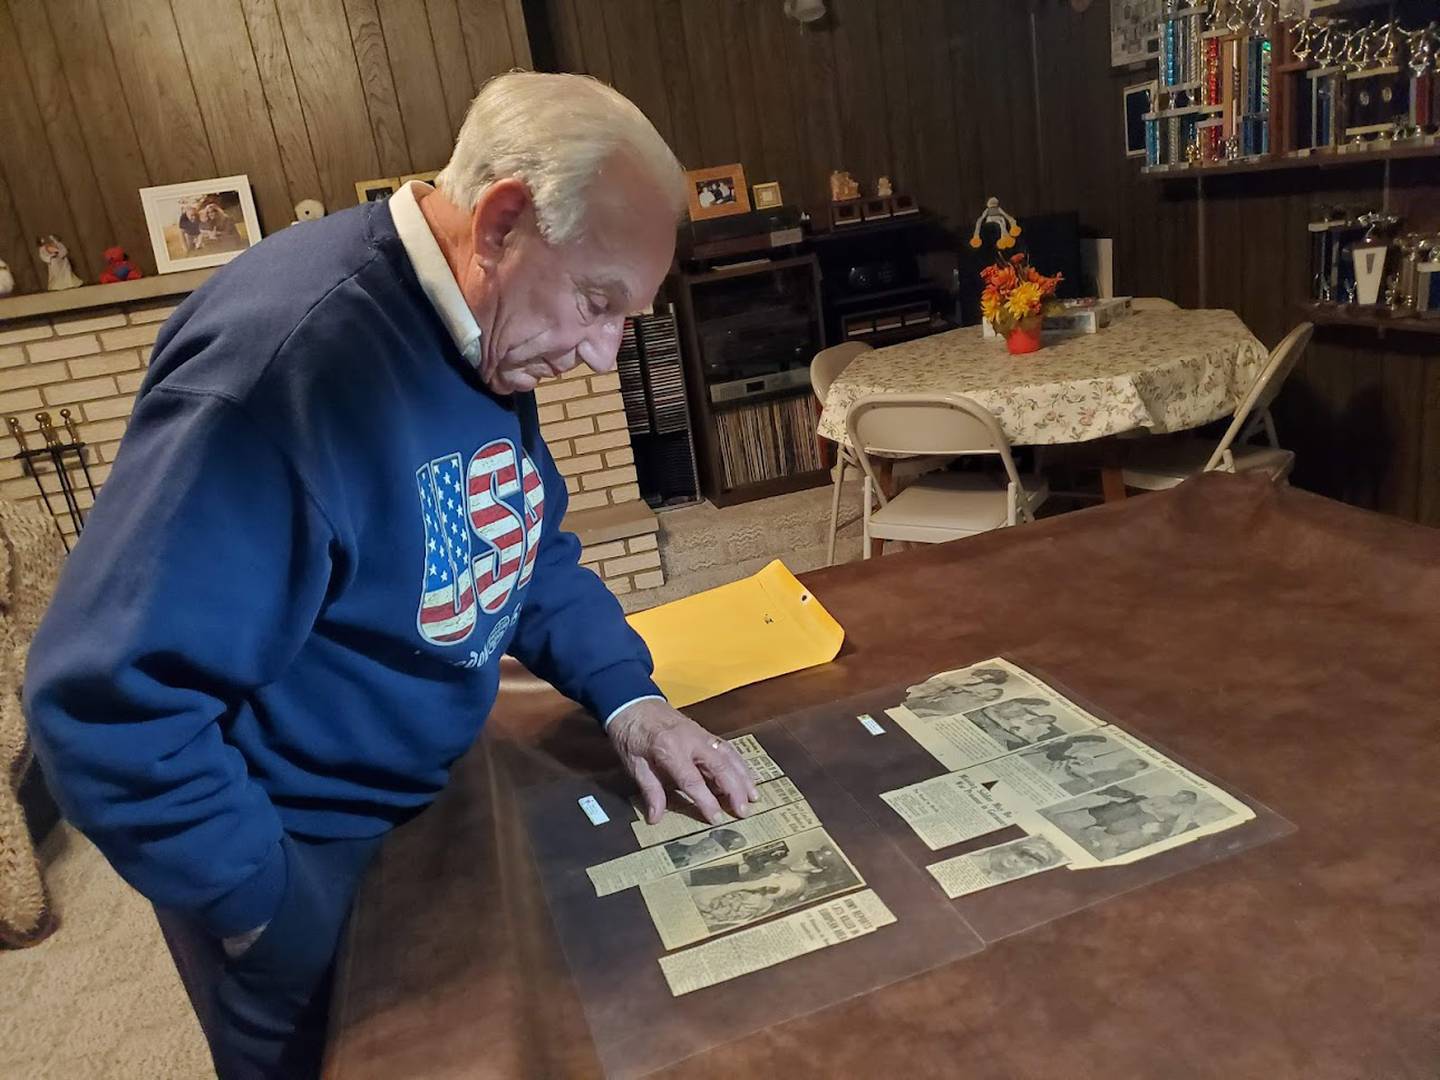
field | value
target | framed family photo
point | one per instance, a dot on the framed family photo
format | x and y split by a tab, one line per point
767	196
717	192
200	223
376	190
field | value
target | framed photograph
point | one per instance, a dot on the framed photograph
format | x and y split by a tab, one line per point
423	177
200	223
767	196
376	190
717	192
1134	31
1139	100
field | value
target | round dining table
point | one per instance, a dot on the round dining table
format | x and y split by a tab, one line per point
1162	371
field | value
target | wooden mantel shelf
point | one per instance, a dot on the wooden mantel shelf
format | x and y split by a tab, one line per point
93	296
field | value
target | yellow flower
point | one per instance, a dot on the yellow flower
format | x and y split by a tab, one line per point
1025	300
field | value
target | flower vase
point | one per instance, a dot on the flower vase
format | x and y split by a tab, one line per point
1026	337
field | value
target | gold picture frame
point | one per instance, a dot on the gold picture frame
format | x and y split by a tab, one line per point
423	177
767	196
717	192
376	190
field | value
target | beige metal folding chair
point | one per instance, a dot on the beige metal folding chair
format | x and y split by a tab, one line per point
1165	462
939	506
824	369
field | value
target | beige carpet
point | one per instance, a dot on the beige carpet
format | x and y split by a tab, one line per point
100	1000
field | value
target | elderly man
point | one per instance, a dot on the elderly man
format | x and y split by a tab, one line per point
332	514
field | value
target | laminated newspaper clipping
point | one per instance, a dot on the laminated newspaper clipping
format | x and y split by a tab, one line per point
972	715
700	848
976	870
948	809
1098	794
775	942
742	889
777	867
681	820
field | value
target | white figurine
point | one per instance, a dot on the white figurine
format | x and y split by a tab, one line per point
56	257
7	279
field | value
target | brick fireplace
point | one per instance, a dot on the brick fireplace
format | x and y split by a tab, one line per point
92	361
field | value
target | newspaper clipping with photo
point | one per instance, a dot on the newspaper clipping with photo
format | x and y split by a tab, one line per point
655	862
975	714
759	947
1099	794
1107	799
741	889
976	870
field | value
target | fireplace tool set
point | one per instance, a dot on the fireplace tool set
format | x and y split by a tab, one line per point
58	454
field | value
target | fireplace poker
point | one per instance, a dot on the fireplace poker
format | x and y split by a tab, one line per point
27	455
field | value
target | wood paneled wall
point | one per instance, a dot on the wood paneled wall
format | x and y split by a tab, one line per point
900	87
1016	98
103	97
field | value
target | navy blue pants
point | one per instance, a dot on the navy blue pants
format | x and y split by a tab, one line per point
264	1012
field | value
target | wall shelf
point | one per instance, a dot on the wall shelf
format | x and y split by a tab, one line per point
29	305
1344	315
1314	160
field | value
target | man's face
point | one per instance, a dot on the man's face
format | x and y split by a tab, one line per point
556	307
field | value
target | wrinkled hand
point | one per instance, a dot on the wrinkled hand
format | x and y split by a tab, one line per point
663	748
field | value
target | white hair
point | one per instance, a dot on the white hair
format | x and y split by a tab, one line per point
554	132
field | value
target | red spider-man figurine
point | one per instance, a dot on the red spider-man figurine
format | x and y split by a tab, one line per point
118	267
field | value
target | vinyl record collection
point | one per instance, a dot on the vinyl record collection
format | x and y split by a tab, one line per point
769	440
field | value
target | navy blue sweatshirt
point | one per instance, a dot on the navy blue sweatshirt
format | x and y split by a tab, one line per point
288	607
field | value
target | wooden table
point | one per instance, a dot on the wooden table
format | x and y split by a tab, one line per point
1285	641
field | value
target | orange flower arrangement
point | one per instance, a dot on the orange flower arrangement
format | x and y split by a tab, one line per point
1015	291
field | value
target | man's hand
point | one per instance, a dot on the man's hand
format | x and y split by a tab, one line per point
663	748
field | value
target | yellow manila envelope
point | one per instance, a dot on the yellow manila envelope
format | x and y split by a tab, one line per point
741	633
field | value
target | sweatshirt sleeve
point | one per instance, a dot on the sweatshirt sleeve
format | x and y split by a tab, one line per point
572	632
198	577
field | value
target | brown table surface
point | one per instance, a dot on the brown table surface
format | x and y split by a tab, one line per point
1290	642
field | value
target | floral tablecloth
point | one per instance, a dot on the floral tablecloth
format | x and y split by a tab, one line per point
1161	370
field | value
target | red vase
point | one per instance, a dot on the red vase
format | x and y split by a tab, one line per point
1026	337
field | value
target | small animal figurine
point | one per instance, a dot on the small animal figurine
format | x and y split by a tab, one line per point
843	187
56	257
884	188
118	267
7	279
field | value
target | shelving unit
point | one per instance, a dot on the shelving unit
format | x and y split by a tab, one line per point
1283	110
750	332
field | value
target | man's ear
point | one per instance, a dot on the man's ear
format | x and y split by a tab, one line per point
496	216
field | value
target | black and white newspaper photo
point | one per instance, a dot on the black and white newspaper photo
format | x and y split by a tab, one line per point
1158	810
700	848
742	889
978	713
976	870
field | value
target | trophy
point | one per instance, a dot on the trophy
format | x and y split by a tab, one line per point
1369	257
1412	246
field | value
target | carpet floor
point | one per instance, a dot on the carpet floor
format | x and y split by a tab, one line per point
100	999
